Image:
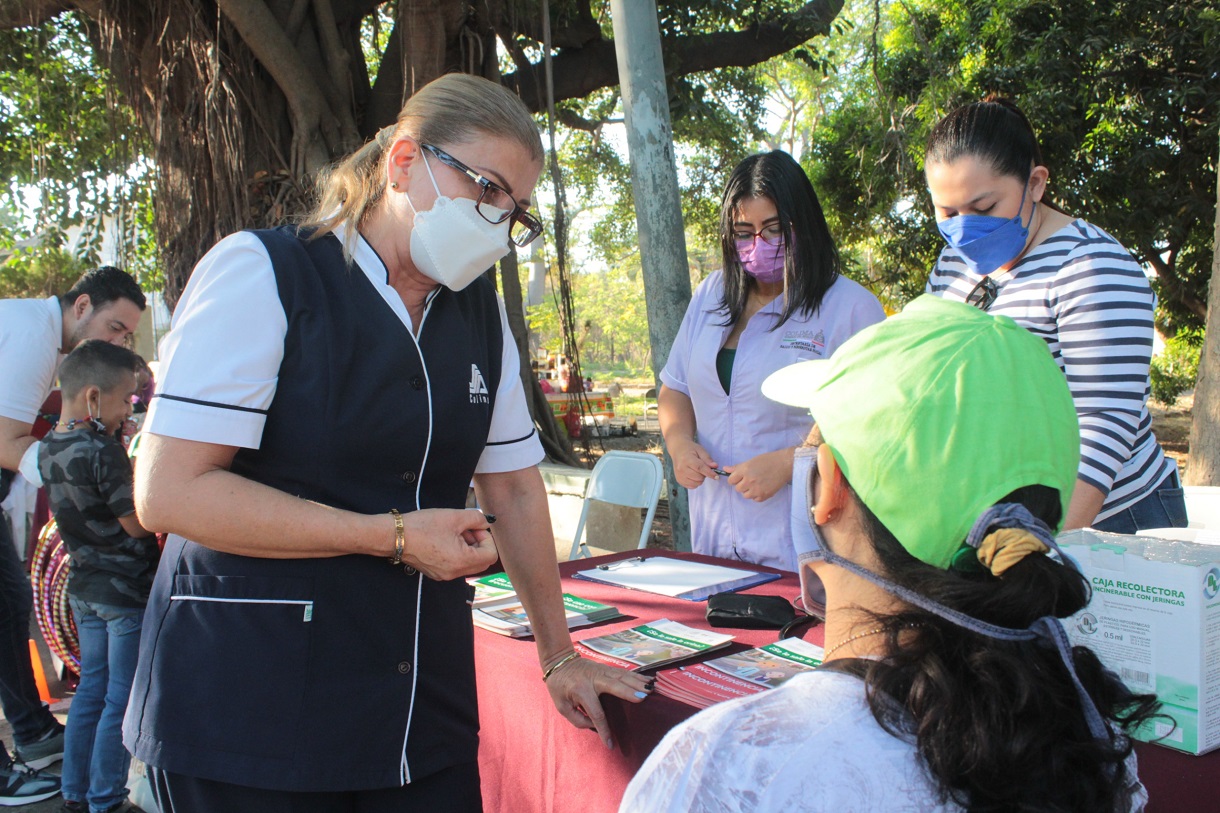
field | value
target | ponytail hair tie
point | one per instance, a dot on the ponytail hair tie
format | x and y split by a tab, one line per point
1003	548
1003	535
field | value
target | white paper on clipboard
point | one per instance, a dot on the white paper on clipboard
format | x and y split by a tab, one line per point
677	578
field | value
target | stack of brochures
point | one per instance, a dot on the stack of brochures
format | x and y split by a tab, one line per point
739	675
491	589
507	616
653	644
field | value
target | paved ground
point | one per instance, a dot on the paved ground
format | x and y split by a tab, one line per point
6	735
59	708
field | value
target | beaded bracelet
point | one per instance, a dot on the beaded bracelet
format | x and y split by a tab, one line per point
400	537
573	655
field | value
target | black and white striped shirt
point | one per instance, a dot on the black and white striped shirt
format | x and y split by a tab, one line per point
1085	295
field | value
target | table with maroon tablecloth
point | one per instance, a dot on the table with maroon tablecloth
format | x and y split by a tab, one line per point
533	761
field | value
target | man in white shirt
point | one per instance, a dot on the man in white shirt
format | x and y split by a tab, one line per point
35	334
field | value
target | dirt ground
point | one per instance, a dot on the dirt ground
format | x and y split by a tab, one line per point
1170	424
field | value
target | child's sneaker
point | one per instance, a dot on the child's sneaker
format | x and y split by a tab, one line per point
44	752
22	785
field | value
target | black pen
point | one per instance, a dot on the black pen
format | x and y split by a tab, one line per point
620	563
721	472
491	518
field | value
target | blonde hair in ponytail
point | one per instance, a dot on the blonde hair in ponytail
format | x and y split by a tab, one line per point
456	108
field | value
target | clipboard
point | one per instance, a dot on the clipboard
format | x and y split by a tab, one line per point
676	578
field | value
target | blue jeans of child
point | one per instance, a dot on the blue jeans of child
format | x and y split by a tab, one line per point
95	761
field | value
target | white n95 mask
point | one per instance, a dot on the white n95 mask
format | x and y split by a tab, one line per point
452	243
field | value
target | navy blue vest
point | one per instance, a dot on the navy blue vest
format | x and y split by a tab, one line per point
342	673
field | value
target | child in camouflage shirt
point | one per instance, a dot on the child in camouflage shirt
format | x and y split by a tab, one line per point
87	475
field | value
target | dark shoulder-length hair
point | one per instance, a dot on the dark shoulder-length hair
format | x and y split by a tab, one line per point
994	131
811	263
999	724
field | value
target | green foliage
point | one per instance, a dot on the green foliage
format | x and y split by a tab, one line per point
39	273
1124	95
70	152
1175	370
612	328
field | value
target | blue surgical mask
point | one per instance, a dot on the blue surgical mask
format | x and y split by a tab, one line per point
987	242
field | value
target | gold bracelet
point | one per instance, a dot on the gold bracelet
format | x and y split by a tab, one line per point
400	537
573	655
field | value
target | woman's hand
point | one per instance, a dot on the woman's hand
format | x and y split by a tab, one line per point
760	477
445	544
692	463
575	687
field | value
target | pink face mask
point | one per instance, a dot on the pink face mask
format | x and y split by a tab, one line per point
762	260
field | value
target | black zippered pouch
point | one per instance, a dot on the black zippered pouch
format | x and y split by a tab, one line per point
749	612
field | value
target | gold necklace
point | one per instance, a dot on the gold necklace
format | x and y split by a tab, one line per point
875	631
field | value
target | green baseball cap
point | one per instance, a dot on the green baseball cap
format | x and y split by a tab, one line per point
936	414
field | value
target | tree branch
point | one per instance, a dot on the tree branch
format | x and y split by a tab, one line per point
580	71
269	43
22	13
337	59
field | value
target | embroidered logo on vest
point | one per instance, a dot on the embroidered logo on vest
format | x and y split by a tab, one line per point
478	387
804	340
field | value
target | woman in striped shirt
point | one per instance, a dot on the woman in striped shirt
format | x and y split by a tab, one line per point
1012	252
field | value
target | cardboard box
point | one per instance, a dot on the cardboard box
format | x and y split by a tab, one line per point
1155	620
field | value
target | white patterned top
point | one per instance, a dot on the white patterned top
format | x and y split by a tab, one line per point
810	745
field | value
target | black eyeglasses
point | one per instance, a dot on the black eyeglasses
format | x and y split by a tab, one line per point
983	295
494	203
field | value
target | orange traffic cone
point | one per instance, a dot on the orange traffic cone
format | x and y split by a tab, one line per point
40	677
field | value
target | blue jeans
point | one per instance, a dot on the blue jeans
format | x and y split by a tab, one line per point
95	761
23	708
1164	507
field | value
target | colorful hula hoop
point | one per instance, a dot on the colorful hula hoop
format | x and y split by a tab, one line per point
49	575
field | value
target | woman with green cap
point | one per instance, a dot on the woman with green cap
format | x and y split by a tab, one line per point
942	461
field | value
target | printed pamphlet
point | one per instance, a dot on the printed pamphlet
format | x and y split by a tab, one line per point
508	617
490	589
739	675
653	644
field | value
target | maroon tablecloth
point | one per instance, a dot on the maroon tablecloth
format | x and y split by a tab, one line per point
533	761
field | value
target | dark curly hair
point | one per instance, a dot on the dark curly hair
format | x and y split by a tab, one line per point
999	724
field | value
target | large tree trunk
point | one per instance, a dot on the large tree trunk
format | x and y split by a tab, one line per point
1204	468
245	100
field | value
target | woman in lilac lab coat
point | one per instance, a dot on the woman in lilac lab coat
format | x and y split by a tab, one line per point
779	299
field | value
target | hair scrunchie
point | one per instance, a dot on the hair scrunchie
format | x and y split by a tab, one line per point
1003	548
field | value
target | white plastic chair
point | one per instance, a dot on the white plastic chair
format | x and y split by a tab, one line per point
1203	506
631	479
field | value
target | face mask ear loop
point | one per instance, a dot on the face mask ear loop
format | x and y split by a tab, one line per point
1025	192
96	421
1047	628
423	154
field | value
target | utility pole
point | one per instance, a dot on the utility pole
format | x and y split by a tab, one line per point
658	207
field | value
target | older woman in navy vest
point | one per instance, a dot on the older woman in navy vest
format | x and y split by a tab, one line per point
326	396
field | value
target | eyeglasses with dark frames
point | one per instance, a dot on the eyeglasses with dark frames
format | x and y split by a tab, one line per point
983	295
494	203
